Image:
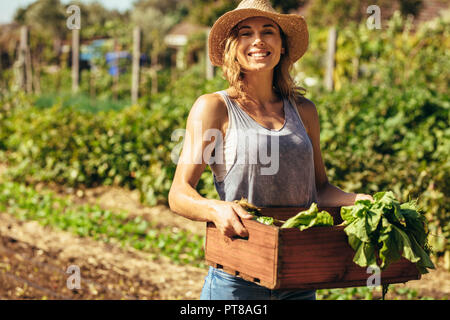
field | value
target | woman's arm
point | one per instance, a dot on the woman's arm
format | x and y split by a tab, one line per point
328	195
207	113
331	196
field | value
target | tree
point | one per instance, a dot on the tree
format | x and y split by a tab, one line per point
285	6
165	7
155	18
343	12
410	7
93	13
206	12
46	18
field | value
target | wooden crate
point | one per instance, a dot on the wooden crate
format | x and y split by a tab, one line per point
316	258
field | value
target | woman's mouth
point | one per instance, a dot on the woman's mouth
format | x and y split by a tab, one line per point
259	55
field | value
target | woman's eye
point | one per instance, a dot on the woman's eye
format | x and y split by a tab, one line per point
247	34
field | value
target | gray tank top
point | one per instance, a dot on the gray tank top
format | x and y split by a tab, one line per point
271	168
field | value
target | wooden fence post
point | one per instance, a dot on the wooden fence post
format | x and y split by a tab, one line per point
22	60
37	72
155	67
331	51
28	68
209	66
75	59
135	67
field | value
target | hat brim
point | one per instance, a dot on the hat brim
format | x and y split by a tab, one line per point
293	25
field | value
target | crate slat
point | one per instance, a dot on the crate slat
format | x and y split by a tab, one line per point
240	255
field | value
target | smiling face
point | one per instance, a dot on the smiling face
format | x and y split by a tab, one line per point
259	45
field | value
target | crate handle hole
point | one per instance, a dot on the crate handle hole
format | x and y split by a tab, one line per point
256	280
240	238
219	266
236	273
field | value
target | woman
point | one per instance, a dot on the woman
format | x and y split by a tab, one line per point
256	47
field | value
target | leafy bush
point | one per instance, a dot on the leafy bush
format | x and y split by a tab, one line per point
391	56
389	129
70	145
397	138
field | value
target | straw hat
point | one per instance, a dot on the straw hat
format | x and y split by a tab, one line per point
293	26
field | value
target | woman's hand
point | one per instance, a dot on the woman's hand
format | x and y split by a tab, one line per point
362	196
226	217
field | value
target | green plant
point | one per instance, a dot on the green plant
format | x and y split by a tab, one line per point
388	228
309	218
103	225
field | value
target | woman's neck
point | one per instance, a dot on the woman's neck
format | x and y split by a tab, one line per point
255	93
258	86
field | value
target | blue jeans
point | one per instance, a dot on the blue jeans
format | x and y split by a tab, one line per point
220	285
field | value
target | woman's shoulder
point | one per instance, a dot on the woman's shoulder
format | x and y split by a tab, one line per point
304	103
307	110
210	103
210	107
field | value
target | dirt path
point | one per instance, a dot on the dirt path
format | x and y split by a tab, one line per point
34	259
435	284
117	199
41	255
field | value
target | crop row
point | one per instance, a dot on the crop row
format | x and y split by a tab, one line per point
25	203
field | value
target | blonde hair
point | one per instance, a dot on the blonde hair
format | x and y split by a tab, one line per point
283	83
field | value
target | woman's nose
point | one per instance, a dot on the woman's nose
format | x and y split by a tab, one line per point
258	40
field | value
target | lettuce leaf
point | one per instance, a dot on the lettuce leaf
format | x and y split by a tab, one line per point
365	255
385	226
266	220
309	218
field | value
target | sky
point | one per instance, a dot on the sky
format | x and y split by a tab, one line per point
8	7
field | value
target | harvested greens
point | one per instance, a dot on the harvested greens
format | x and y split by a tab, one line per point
266	220
389	228
309	218
303	220
256	212
252	209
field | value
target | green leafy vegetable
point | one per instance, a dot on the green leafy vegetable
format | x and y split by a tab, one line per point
256	212
309	218
249	207
266	220
394	230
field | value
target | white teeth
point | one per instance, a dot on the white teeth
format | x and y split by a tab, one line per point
259	54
